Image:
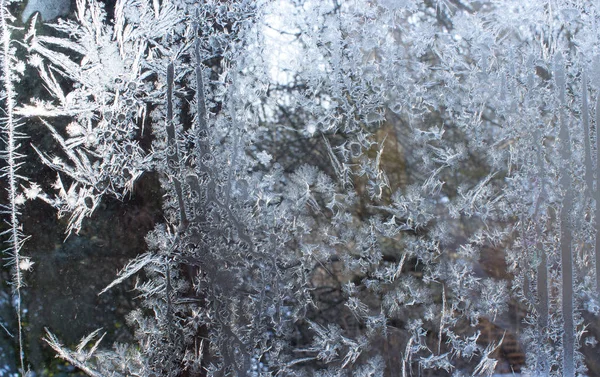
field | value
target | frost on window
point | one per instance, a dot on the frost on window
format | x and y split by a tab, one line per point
348	188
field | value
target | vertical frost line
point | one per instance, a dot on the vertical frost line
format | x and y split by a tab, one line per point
10	135
565	229
540	363
589	169
597	196
173	162
542	267
201	101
